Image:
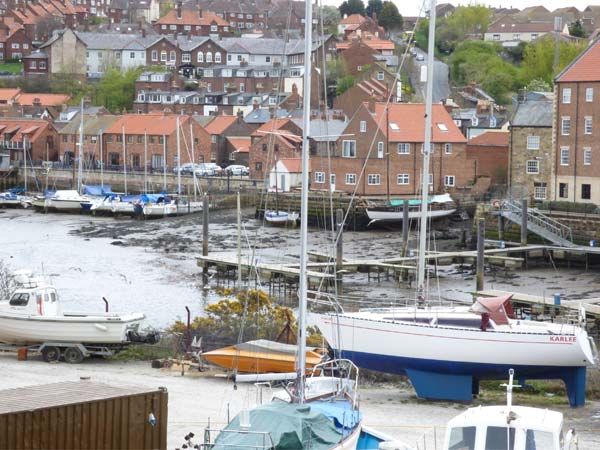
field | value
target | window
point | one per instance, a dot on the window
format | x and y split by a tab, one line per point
242	87
351	178
533	166
267	59
113	159
213	138
403	178
140	139
564	156
374	179
563	190
566	95
173	27
589	94
119	137
587	125
403	148
534	36
363	126
32	65
65	138
380	76
431	148
217	57
163	56
99	53
200	57
539	191
587	156
448	149
214	28
332	179
449	180
496	37
25	46
586	191
154	55
320	177
380	150
538	439
533	142
131	55
157	161
516	37
187	27
172	56
186	57
496	438
463	438
130	139
566	126
109	138
359	68
264	147
42	64
430	179
208	57
349	149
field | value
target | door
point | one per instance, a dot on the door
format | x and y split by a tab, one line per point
283	189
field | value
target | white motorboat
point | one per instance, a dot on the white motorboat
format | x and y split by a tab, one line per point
63	201
439	206
160	209
33	314
281	217
508	427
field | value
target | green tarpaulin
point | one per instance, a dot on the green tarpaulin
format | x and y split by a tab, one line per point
287	426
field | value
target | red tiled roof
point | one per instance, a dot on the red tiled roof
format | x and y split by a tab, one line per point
375	44
241	144
491	138
271	125
156	124
219	124
410	119
9	94
353	18
191	18
586	67
44	99
33	128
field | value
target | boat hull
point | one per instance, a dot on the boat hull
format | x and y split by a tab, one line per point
281	218
160	210
375	215
254	362
97	329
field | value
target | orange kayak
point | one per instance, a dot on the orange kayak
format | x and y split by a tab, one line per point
261	356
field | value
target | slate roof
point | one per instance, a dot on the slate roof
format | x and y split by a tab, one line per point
92	125
533	114
324	130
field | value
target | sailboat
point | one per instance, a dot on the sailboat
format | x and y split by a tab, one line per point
445	351
329	420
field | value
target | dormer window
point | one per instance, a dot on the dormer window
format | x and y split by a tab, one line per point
474	121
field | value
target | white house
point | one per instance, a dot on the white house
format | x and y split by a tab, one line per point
286	175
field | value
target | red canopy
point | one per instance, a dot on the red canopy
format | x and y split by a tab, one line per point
498	308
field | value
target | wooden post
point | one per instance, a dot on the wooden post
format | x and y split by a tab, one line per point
500	227
205	230
480	254
405	225
524	222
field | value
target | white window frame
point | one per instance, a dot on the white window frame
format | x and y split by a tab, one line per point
348	149
532	167
587	125
540	191
374	179
533	142
319	177
363	126
332	178
587	156
380	150
403	148
154	55
350	179
431	147
186	57
218	57
449	180
208	57
566	96
448	148
589	94
565	125
564	156
163	56
200	57
403	179
380	76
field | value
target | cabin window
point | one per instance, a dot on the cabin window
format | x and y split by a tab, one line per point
19	299
536	439
496	439
462	438
52	297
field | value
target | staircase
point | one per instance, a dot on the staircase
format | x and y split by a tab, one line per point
538	223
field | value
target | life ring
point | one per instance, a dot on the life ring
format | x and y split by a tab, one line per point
496	204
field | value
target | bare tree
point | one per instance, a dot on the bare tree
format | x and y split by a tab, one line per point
7	281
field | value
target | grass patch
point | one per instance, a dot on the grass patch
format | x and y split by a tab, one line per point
15	67
143	352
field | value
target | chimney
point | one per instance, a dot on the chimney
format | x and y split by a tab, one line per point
240	115
255	105
143	32
200	12
37	102
178	9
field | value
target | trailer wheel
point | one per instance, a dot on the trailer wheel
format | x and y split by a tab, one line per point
51	354
73	355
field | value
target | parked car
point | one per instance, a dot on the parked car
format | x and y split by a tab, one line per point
186	169
420	57
237	170
208	170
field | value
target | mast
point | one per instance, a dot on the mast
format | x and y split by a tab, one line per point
145	162
124	156
178	160
426	150
101	163
80	166
193	157
304	202
164	163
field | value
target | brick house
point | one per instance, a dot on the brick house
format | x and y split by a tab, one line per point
274	140
94	127
14	42
364	91
530	159
240	15
357	56
159	133
576	130
238	149
36	63
66	52
37	136
490	152
197	23
392	154
221	128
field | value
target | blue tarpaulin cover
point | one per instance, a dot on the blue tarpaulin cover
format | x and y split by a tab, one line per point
97	190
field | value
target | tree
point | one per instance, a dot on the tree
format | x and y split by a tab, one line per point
390	18
350	7
331	17
538	58
116	90
344	84
374	6
576	29
470	19
538	85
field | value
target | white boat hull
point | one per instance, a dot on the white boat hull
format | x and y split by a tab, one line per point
398	216
189	208
160	210
101	329
64	205
281	217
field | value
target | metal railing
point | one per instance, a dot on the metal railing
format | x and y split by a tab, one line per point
536	218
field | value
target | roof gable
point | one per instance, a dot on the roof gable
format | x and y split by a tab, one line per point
586	67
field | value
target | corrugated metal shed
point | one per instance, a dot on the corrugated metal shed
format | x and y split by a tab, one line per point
85	414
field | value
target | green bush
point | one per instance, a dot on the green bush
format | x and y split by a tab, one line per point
583	208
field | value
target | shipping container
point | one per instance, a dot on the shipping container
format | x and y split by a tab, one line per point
83	415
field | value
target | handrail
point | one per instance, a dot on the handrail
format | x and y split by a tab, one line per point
537	218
